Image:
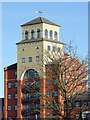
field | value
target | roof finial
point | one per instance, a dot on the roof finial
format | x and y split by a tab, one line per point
39	12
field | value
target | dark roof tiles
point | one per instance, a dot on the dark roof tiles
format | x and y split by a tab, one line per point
38	21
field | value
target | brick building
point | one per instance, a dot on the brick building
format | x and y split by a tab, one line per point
38	36
1	108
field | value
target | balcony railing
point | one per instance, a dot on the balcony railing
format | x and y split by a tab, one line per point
30	88
31	111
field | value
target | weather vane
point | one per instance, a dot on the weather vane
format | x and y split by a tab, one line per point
39	12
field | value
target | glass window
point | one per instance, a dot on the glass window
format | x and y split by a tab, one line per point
37	106
55	35
36	95
26	34
31	74
9	118
48	93
77	116
46	33
77	104
50	34
30	59
67	81
88	104
15	107
53	48
55	93
27	96
80	83
48	82
9	85
22	49
27	117
80	71
16	118
66	69
48	47
48	106
15	84
27	83
32	34
15	73
23	60
48	70
15	96
58	49
38	33
9	107
9	96
37	58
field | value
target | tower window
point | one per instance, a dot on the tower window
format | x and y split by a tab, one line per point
38	33
58	49
48	47
50	34
55	35
46	33
53	48
26	34
23	60
37	58
30	59
32	34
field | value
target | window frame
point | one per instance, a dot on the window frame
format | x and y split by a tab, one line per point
50	34
15	107
9	85
23	60
15	95
48	82
55	35
15	84
38	33
32	34
26	35
9	107
48	47
53	48
48	93
9	97
37	58
30	59
55	93
46	33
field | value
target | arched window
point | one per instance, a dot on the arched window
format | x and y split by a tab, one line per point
32	34
38	33
55	35
46	33
26	34
31	74
50	34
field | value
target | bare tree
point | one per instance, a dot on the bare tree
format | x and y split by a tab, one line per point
65	76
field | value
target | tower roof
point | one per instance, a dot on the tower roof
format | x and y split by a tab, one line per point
38	21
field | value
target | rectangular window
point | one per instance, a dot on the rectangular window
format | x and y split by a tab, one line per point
48	47
37	106
30	59
9	107
15	107
77	104
58	49
53	48
23	60
66	69
48	82
55	93
9	118
9	85
37	58
15	84
48	93
15	73
15	96
9	96
48	70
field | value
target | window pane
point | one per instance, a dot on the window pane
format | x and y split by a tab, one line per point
23	60
32	34
48	47
37	58
15	84
53	48
30	59
55	35
48	93
9	85
26	35
50	34
46	33
9	96
38	33
48	82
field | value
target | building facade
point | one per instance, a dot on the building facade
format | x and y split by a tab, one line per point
22	98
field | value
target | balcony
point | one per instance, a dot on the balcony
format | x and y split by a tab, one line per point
31	111
26	100
30	88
